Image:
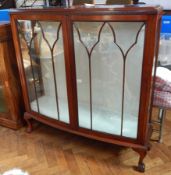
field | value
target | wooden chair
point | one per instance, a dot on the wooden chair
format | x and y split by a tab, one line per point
81	2
119	2
162	98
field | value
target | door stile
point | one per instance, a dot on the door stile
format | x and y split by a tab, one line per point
70	72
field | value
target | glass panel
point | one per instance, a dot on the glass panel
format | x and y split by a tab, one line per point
43	44
106	60
82	70
99	106
3	104
31	70
133	71
107	76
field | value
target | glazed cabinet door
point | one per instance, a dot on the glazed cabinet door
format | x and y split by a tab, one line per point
43	59
109	59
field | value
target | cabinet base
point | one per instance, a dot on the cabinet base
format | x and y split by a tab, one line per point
10	124
141	150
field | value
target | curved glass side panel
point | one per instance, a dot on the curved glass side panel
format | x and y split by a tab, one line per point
108	58
43	58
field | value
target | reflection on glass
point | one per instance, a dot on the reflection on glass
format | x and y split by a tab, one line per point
3	105
108	75
43	58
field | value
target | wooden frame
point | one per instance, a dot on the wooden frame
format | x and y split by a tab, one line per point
149	15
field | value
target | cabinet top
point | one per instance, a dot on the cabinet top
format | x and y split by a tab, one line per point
95	9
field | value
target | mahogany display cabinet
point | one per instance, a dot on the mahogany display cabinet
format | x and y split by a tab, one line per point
89	71
10	91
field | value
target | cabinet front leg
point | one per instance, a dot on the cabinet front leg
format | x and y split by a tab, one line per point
142	153
28	118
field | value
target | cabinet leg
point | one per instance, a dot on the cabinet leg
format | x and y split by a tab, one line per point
149	147
141	165
28	118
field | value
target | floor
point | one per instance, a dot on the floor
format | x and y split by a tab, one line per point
48	151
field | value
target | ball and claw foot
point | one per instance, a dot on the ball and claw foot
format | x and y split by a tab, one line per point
142	153
141	167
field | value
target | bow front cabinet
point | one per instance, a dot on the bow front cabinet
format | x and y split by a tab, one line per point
89	71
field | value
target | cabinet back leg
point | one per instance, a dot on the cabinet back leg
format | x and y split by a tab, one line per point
28	119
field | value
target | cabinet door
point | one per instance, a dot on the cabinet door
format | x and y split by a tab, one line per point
44	65
109	58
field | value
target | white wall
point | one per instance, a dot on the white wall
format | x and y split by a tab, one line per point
100	1
165	3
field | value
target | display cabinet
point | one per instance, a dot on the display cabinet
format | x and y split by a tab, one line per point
10	96
89	71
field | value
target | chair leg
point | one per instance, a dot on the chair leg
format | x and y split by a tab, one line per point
162	113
